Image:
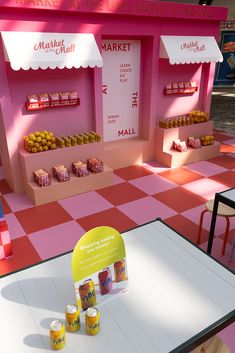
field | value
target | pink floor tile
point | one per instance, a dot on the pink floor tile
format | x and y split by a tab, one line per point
152	184
117	179
205	187
230	142
18	202
56	240
2	173
216	252
227	335
206	168
194	216
85	204
154	167
15	229
146	209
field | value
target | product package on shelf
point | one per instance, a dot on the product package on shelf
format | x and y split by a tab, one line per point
61	173
42	177
194	117
179	146
193	142
79	168
95	165
207	140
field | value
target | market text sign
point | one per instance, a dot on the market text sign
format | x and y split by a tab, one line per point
193	46
121	80
56	46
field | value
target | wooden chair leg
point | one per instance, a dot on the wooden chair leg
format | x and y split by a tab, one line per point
200	226
225	235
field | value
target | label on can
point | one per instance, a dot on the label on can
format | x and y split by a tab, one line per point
57	335
92	321
72	316
120	270
105	281
87	294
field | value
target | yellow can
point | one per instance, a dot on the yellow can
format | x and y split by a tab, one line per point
87	294
92	321
72	316
57	335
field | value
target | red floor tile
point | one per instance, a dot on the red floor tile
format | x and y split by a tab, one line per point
230	236
227	148
24	254
221	137
41	217
226	178
180	175
179	199
132	172
6	208
4	187
187	228
121	193
112	217
224	161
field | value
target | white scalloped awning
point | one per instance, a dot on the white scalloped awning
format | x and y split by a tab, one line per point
190	49
34	50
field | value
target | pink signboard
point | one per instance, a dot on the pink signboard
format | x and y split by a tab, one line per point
121	79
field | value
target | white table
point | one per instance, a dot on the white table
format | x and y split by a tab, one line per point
226	197
179	297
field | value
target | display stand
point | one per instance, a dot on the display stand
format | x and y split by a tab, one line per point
171	158
58	190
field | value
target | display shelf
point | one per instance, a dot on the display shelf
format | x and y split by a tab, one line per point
171	158
31	106
57	190
76	185
180	91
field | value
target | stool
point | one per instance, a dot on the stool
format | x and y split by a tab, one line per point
223	211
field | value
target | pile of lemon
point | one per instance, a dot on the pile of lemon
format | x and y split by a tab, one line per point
39	141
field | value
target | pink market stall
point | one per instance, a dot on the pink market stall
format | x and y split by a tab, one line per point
91	86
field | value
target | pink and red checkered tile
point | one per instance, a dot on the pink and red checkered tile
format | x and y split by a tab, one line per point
139	194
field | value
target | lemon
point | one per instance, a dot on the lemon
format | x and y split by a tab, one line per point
42	135
39	139
45	148
34	150
37	133
48	137
32	137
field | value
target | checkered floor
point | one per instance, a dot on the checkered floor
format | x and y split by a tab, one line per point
139	194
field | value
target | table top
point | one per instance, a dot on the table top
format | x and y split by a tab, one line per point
176	292
229	194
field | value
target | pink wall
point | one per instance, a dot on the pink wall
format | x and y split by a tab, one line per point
61	121
132	20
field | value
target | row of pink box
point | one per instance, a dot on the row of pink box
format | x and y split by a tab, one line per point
62	174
